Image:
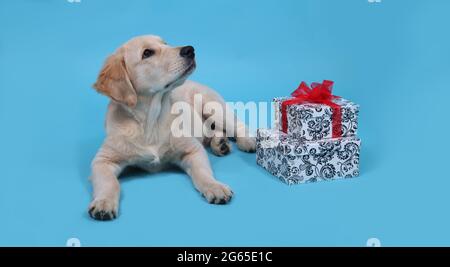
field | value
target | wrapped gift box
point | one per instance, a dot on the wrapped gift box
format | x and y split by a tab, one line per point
311	118
294	161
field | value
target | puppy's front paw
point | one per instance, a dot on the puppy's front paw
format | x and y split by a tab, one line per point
247	144
217	193
103	209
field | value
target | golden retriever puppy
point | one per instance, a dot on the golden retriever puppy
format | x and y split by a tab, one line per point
144	79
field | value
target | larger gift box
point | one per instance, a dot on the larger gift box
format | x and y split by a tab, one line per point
295	162
313	113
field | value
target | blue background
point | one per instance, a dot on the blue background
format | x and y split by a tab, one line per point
392	58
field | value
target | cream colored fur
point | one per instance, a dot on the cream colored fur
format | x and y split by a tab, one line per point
139	118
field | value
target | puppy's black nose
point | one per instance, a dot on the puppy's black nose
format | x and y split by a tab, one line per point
187	52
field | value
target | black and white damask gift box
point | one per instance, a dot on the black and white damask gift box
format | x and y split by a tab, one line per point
313	113
295	162
310	121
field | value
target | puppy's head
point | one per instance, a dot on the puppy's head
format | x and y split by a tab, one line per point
143	66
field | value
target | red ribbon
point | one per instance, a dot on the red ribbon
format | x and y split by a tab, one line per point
318	93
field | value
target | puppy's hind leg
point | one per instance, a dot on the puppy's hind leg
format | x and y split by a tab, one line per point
227	122
220	145
244	141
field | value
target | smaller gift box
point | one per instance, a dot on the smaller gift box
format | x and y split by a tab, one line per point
313	113
295	162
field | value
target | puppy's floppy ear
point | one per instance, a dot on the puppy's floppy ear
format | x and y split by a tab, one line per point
113	81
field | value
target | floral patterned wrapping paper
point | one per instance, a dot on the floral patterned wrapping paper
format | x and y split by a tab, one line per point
311	121
296	162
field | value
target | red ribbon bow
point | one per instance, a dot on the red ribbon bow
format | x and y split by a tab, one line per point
318	93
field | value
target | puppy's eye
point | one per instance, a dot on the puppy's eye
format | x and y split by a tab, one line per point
147	53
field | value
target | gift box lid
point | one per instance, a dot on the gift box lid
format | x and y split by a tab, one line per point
272	138
344	103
